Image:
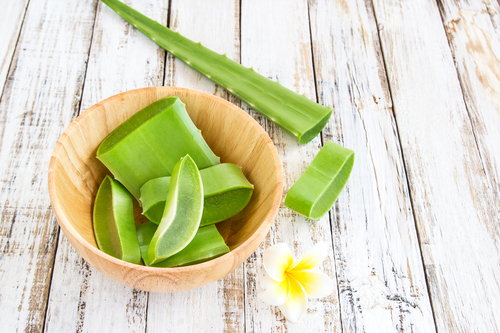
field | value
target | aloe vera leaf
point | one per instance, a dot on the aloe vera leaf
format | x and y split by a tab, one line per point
207	244
114	225
316	190
295	113
182	214
145	233
151	142
226	192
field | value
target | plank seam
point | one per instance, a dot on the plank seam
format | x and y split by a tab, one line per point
56	242
321	136
15	50
79	108
146	313
77	113
169	12
440	9
405	167
245	329
240	32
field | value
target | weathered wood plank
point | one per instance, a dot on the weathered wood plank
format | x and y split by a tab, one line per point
275	40
218	307
379	266
81	298
11	21
453	202
474	37
40	99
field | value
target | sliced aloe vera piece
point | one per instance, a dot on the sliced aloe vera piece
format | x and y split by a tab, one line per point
151	142
182	214
145	233
114	225
207	244
316	190
295	113
226	192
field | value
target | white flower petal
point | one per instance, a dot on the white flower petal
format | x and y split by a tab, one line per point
267	282
275	293
296	304
316	284
311	258
277	259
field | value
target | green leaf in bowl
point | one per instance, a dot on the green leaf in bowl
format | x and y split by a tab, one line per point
114	225
226	192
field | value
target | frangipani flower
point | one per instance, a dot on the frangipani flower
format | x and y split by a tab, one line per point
288	283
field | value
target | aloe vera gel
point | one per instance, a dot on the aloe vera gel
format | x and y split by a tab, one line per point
160	157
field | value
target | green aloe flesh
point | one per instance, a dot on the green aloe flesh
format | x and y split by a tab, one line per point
182	214
207	244
295	113
315	192
225	188
149	144
114	225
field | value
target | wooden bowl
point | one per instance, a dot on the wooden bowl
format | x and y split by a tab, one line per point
75	174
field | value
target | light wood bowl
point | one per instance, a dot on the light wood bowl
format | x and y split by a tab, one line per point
75	174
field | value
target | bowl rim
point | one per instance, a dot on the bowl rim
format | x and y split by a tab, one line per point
261	231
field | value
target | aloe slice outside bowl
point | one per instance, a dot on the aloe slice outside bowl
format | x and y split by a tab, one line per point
114	224
182	214
226	192
316	190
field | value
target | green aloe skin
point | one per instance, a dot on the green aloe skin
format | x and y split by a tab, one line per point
182	214
207	244
225	188
315	192
150	143
114	224
295	113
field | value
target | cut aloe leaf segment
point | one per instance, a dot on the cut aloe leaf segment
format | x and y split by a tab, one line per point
315	192
295	113
182	214
226	192
114	225
207	244
151	142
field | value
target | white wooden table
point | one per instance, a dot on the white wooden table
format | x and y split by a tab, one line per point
415	87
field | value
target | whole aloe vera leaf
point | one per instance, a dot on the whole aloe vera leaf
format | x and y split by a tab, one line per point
226	192
207	244
113	219
315	192
295	113
151	142
182	214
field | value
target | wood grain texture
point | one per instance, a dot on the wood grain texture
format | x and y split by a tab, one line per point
379	266
474	37
39	101
216	25
275	40
453	202
11	21
81	298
